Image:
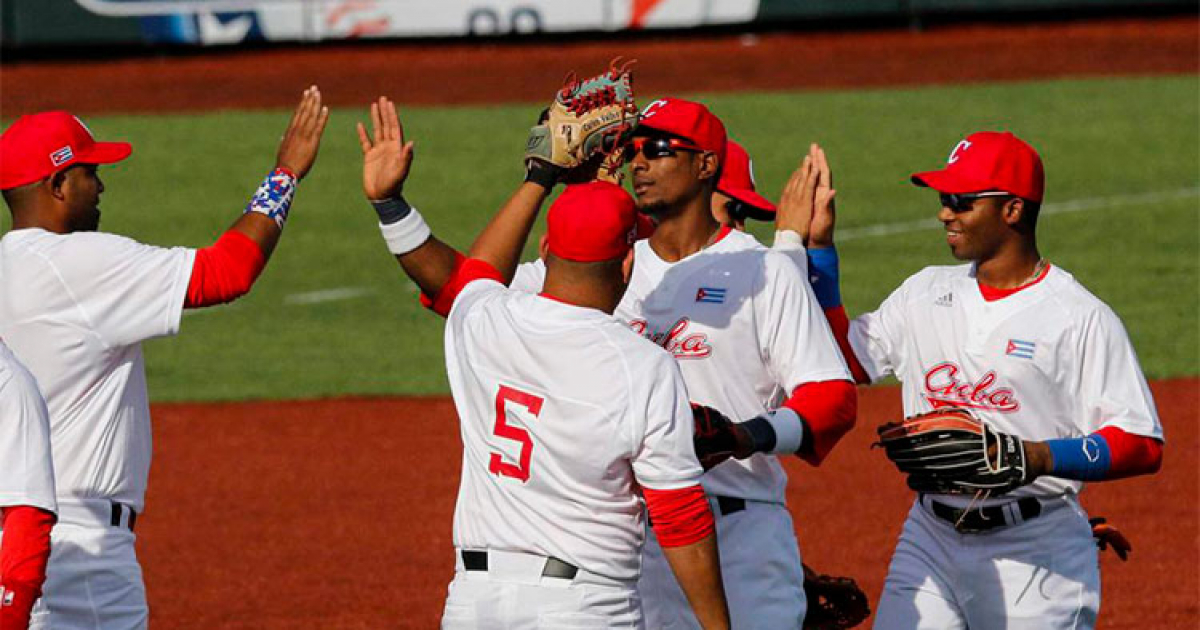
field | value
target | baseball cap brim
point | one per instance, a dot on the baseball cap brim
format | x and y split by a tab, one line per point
948	182
750	198
104	153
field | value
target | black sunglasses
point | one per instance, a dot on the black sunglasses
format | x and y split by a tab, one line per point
654	148
960	202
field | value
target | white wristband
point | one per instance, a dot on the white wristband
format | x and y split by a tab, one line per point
406	234
788	239
789	430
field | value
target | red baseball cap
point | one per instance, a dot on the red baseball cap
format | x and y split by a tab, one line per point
737	180
39	145
593	222
989	160
688	120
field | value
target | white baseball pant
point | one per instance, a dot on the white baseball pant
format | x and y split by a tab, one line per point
93	581
760	567
513	594
1043	573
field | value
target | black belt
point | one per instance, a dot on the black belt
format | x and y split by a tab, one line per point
725	505
555	568
115	521
982	519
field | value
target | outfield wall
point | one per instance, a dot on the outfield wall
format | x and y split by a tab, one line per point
49	23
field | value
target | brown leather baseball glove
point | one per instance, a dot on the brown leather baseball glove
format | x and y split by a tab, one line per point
833	602
951	451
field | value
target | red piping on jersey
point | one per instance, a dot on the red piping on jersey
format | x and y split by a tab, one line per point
840	323
224	271
721	234
829	409
466	270
23	555
991	294
556	299
679	517
1130	454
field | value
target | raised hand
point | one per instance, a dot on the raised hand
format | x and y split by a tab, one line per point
820	229
387	158
795	203
298	148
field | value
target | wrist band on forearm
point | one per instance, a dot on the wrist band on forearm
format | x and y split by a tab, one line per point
780	431
543	174
823	274
1083	459
391	210
273	198
788	239
406	234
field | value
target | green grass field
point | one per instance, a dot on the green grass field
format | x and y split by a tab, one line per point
1121	153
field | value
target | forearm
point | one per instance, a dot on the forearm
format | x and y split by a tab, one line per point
697	568
501	242
426	260
268	210
1107	454
431	265
809	423
824	274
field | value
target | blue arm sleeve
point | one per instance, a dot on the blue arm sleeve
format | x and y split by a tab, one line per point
1083	459
823	275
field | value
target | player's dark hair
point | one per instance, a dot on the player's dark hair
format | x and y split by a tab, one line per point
1029	215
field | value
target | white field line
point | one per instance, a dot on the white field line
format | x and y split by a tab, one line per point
1075	205
326	295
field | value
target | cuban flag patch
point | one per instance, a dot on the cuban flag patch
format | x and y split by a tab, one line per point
1020	349
710	295
62	156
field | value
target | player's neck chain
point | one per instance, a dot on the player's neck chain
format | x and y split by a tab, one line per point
1037	271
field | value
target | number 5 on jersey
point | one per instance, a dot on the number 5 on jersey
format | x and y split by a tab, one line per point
503	429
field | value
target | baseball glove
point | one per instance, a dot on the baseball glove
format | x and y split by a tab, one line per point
1106	535
833	602
588	117
715	437
951	451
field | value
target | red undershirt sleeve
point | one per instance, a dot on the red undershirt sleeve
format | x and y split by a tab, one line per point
466	270
840	324
829	409
224	271
679	517
23	555
1131	454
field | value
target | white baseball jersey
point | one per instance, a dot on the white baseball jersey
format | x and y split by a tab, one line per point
26	474
74	308
1049	361
563	413
746	330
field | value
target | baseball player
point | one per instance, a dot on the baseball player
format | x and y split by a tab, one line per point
548	521
751	342
1030	351
75	305
27	505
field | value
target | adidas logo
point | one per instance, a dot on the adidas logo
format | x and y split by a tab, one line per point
945	300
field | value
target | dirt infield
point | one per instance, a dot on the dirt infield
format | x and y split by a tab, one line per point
488	73
337	514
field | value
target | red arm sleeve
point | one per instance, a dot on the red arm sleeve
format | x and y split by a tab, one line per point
829	408
466	270
224	271
23	556
679	517
840	324
1130	454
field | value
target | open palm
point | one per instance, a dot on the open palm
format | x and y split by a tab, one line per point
386	156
